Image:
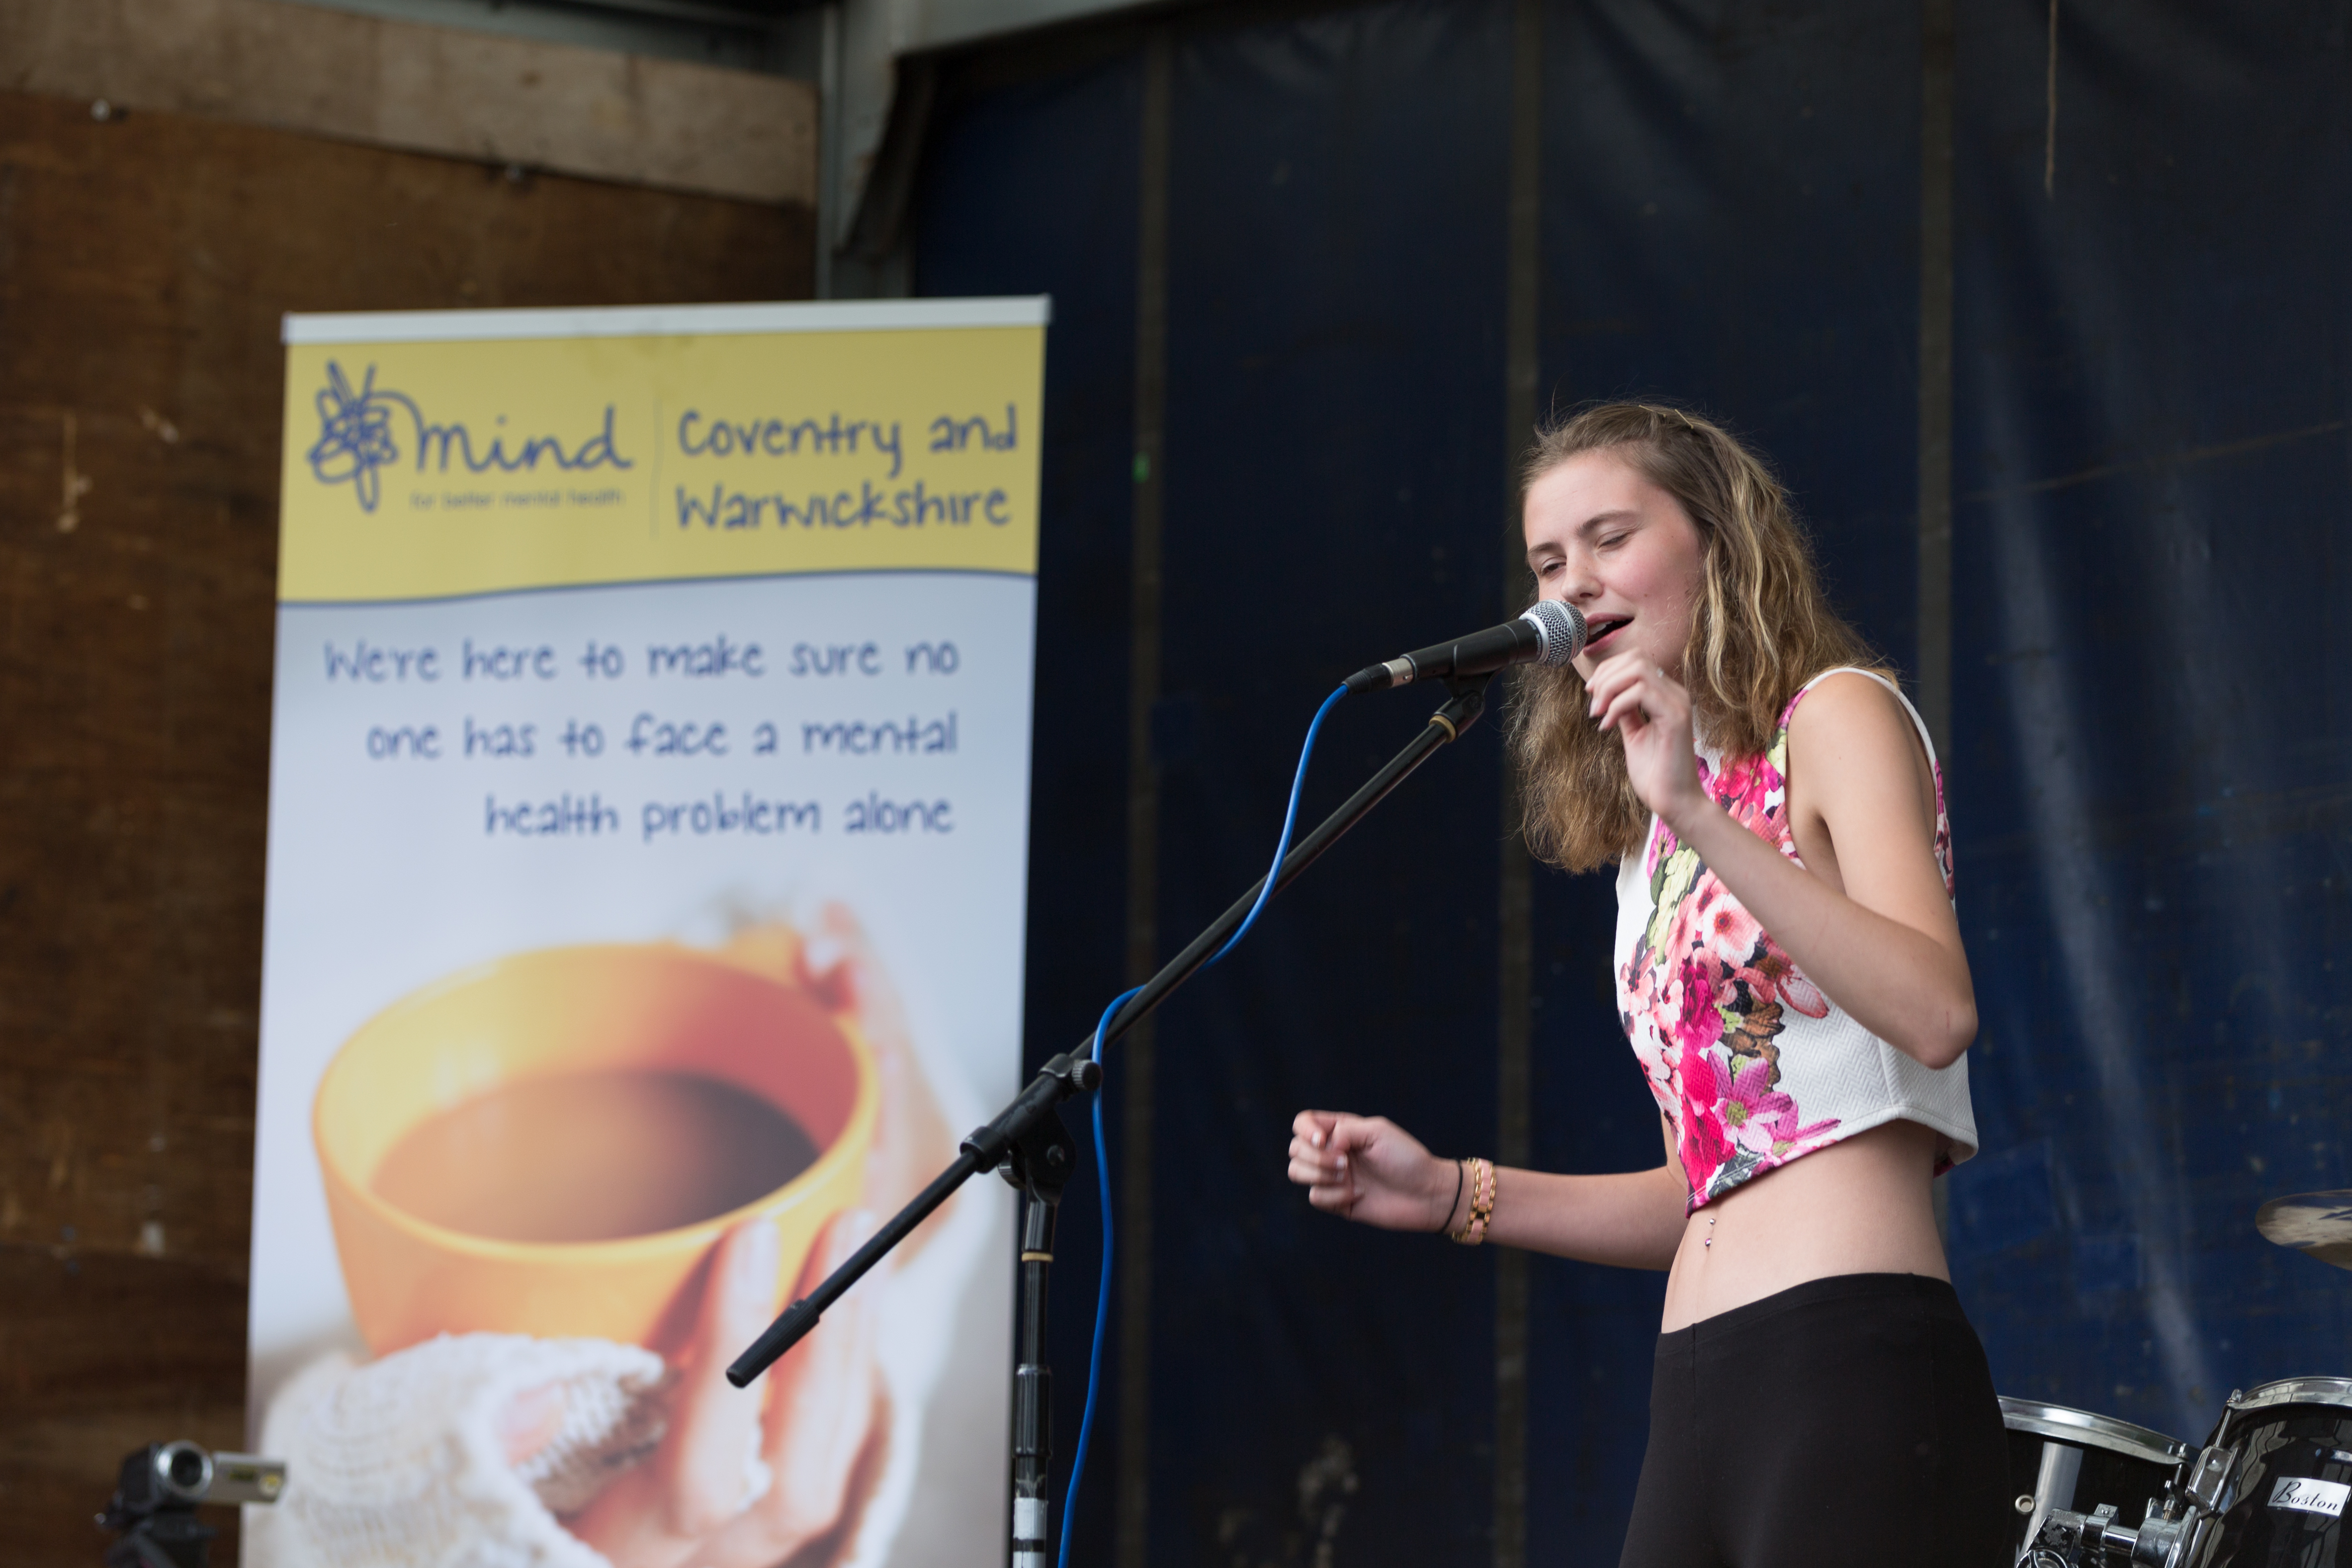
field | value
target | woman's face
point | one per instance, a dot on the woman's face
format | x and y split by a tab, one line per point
1605	538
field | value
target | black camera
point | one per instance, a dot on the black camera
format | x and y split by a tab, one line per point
154	1509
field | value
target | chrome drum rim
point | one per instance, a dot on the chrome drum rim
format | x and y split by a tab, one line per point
2085	1429
2334	1390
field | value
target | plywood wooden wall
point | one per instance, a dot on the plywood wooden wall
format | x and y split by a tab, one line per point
671	124
144	263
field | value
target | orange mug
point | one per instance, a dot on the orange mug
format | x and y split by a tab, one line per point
568	1011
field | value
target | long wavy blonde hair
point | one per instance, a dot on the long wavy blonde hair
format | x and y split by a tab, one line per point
1763	628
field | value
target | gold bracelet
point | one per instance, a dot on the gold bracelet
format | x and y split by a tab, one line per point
1481	1203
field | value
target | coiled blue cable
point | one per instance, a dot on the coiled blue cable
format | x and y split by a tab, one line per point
1102	1154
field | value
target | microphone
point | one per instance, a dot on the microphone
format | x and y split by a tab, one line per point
1548	633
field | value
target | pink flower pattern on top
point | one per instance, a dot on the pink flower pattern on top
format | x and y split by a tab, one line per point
1707	992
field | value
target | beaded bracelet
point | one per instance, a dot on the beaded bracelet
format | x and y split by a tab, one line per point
1481	1203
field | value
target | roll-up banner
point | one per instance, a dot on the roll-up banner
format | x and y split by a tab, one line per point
647	832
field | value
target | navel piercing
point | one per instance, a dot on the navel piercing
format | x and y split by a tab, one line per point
1708	1240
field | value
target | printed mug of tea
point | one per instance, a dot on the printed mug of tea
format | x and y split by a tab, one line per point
552	1143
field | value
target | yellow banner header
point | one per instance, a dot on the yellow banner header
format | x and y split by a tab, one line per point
433	457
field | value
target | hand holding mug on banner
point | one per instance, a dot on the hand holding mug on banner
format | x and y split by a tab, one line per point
658	1142
746	1478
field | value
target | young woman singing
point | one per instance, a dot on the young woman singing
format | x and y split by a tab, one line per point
1790	972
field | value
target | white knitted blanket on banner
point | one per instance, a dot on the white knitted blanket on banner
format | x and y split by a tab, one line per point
402	1463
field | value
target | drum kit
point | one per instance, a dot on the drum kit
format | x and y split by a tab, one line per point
2267	1491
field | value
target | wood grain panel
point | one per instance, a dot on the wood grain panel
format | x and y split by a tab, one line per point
144	263
608	116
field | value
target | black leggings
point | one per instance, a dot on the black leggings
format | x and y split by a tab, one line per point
1847	1423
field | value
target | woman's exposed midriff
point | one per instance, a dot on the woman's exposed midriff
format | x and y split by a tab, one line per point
1864	1205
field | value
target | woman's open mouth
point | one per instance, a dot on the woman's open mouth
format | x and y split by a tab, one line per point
1600	629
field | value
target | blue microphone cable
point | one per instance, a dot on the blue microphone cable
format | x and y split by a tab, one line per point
1102	1154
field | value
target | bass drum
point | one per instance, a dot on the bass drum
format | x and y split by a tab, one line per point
2063	1458
2290	1472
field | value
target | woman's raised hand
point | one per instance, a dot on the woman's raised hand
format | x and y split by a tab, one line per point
1369	1169
1653	711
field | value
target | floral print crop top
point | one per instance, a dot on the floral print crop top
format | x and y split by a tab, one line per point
1752	1065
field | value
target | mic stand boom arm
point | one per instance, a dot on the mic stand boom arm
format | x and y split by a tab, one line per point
1027	1138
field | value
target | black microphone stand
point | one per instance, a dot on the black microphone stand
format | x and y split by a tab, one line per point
1028	1139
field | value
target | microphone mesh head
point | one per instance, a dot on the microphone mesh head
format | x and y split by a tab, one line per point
1561	628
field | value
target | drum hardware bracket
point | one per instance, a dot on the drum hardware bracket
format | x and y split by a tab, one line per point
2209	1477
2070	1540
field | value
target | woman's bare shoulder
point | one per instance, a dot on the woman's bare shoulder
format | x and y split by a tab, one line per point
1847	703
1853	731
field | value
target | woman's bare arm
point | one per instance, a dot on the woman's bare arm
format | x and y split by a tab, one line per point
1369	1169
1887	948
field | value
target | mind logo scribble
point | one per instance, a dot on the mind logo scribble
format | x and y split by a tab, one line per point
357	439
356	433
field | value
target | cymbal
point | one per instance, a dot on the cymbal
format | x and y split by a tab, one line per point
2316	1224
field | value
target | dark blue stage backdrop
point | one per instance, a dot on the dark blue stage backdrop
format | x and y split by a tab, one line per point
2151	767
